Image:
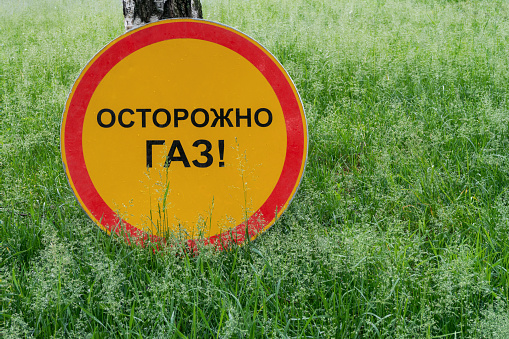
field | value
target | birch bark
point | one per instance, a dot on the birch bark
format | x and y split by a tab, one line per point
140	12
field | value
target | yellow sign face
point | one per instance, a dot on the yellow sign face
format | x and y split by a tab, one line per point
184	126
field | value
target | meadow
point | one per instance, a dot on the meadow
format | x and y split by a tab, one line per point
400	226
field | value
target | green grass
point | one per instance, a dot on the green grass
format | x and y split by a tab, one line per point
400	227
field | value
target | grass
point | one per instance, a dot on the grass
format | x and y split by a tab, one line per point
399	229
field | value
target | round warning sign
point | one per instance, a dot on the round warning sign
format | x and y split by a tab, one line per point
184	127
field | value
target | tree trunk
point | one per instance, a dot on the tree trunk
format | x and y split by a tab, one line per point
140	12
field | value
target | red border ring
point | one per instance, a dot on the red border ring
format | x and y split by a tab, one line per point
118	49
